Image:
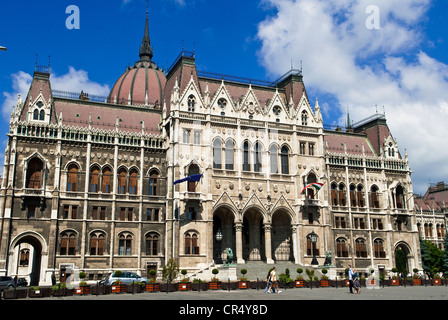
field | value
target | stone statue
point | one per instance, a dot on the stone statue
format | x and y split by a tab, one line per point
327	258
229	256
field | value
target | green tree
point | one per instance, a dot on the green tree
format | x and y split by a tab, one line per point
432	257
444	268
170	271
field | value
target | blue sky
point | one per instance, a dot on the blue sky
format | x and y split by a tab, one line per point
400	68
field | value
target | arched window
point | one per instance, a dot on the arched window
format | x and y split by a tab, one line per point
192	170
229	154
334	198
133	181
274	158
68	244
42	115
257	157
97	244
399	194
353	195
360	248
285	160
310	193
24	260
378	249
34	174
309	246
341	193
122	173
72	177
360	196
94	179
217	154
36	114
246	164
374	200
107	177
152	244
191	103
153	176
124	244
341	248
304	118
191	243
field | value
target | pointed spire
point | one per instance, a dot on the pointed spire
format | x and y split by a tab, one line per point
145	48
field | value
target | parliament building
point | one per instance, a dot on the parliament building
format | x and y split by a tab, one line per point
89	182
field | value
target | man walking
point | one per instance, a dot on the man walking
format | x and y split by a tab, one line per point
350	278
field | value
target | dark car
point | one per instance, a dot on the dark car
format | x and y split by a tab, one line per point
21	282
6	282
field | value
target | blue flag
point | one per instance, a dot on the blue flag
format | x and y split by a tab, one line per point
195	177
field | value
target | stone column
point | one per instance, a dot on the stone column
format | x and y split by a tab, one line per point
239	242
267	243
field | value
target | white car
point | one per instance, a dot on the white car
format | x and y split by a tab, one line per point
126	278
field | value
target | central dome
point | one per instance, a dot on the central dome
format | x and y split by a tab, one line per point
142	84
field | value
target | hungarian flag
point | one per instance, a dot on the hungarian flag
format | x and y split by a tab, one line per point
195	177
316	185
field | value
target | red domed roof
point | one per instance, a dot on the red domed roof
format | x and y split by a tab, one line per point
142	84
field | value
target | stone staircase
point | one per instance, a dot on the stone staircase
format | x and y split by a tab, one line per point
255	270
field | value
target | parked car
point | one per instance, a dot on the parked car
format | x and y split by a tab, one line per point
125	278
6	282
21	282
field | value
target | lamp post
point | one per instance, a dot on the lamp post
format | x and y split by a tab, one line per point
313	239
218	238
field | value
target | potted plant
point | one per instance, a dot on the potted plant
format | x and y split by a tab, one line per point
215	284
152	285
324	282
310	274
60	289
243	283
117	285
347	281
395	278
170	272
185	283
299	279
285	279
82	288
436	280
416	279
372	280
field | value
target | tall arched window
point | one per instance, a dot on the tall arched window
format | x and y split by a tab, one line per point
246	164
378	248
360	248
285	160
36	114
133	181
341	193
152	244
34	174
122	173
124	244
192	170
42	115
399	197
257	157
341	248
304	118
217	154
153	176
229	154
107	176
68	244
273	150
191	103
374	199
191	243
97	244
334	197
72	177
360	196
94	179
24	260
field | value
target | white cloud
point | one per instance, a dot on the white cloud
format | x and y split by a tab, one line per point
362	68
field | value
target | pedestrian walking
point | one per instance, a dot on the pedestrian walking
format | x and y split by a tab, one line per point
268	282
356	283
274	281
350	278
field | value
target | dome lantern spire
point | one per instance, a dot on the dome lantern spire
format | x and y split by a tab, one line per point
145	48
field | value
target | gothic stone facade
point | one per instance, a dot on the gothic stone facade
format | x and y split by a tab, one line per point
89	184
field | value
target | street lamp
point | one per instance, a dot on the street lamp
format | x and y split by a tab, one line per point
313	239
218	238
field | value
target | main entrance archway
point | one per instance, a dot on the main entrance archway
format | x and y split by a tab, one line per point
253	236
223	220
282	248
27	258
